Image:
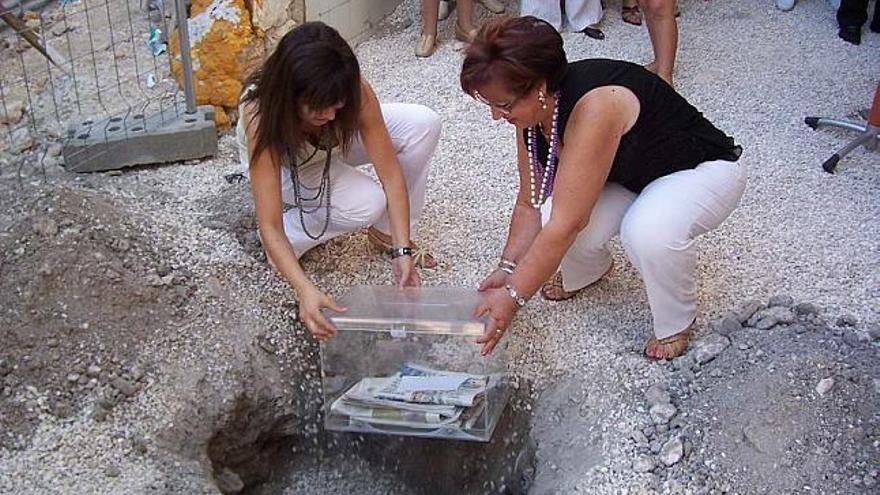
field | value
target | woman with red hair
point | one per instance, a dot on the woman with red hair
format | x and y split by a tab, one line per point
603	147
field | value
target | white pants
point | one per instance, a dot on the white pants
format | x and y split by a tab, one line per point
580	13
658	229
356	200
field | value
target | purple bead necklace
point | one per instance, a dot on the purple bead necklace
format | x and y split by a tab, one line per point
543	174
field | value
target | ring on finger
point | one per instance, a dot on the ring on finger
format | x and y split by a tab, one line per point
499	331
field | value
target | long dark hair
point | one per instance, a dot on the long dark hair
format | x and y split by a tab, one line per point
519	51
313	66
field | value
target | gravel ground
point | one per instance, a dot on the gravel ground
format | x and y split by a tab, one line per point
799	232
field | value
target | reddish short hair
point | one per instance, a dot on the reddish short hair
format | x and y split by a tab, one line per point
521	51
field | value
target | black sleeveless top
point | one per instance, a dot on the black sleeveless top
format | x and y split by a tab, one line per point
669	134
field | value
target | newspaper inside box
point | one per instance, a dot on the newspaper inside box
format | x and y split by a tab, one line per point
406	362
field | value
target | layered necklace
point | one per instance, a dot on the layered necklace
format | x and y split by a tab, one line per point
321	192
543	174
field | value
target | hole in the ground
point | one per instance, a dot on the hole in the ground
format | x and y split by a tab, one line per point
116	119
113	129
257	452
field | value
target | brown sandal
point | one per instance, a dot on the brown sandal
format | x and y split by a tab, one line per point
555	282
672	346
631	15
382	241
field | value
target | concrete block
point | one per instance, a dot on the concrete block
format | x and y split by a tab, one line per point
137	139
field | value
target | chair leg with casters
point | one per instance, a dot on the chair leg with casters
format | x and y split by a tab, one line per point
869	136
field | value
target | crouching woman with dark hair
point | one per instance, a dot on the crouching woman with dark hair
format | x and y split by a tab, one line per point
307	119
603	147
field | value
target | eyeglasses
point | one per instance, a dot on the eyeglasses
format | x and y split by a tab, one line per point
504	108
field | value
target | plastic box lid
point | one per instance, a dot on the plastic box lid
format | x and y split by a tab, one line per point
436	310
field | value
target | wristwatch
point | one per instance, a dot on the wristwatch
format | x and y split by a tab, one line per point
518	299
401	251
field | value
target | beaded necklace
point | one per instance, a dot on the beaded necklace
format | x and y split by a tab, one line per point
541	173
321	191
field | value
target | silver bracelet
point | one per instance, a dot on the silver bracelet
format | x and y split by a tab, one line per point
506	269
519	300
507	264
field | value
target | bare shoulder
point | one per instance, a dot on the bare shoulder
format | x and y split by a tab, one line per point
614	105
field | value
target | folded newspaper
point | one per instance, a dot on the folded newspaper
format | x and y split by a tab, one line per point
416	397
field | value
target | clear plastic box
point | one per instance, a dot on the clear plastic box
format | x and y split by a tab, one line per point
406	362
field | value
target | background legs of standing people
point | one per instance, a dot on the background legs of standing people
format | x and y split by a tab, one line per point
428	40
630	13
431	13
660	17
851	16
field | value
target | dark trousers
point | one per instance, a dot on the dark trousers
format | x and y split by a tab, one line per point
855	13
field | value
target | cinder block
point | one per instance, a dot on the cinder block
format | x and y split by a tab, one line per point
137	139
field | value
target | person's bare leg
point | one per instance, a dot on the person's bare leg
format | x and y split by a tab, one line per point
430	11
465	9
660	17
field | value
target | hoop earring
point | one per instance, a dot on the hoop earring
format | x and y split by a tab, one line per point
542	100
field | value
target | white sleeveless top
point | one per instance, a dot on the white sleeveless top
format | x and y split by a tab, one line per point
308	157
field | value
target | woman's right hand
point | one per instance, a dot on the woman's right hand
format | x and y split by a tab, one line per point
496	280
311	302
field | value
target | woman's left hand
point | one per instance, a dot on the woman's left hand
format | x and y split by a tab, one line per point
501	309
405	272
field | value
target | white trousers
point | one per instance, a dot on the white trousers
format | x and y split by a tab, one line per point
356	199
658	229
579	13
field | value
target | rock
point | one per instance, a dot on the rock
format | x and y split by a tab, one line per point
13	114
265	344
824	385
851	339
799	328
729	325
773	316
5	367
805	309
93	371
707	348
21	140
126	387
847	321
747	310
672	451
656	447
46	227
100	414
643	464
715	373
137	372
112	472
873	332
120	245
687	375
62	409
223	43
657	395
54	150
640	438
684	362
228	482
781	300
139	444
72	377
662	413
163	270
